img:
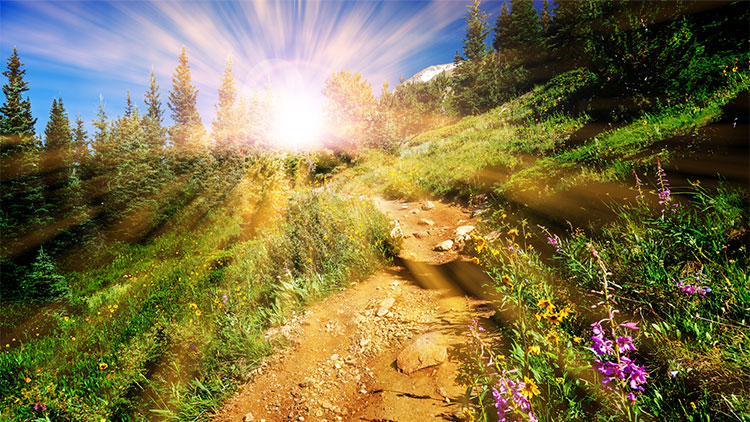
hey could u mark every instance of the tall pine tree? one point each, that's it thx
(187, 133)
(56, 158)
(226, 125)
(475, 44)
(502, 29)
(152, 121)
(15, 113)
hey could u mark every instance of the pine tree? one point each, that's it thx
(226, 124)
(21, 190)
(524, 27)
(476, 32)
(182, 102)
(56, 164)
(545, 19)
(502, 29)
(80, 148)
(152, 100)
(128, 105)
(15, 113)
(152, 121)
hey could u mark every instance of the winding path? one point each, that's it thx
(341, 361)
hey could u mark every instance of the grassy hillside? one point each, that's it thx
(168, 328)
(589, 245)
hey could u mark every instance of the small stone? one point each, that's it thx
(428, 205)
(414, 211)
(426, 222)
(444, 246)
(419, 235)
(404, 207)
(248, 418)
(385, 306)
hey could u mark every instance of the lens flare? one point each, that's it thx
(297, 121)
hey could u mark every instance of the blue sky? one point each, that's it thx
(81, 50)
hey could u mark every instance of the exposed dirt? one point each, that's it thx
(341, 361)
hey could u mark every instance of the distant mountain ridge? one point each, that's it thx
(425, 75)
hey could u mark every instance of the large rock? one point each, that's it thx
(428, 205)
(462, 233)
(444, 246)
(396, 232)
(424, 351)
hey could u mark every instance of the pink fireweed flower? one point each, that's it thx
(625, 344)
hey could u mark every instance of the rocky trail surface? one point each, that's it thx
(387, 349)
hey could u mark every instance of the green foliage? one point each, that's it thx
(477, 29)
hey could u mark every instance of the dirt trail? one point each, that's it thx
(341, 362)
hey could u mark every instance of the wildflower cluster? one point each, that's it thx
(552, 239)
(693, 289)
(622, 369)
(619, 371)
(511, 396)
(549, 314)
(664, 193)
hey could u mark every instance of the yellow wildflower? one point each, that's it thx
(513, 232)
(577, 340)
(552, 337)
(507, 281)
(193, 306)
(533, 350)
(530, 389)
(103, 366)
(198, 312)
(546, 304)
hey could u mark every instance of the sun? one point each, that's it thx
(297, 121)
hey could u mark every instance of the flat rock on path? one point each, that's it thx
(424, 351)
(342, 361)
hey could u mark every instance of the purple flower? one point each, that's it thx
(693, 289)
(631, 396)
(638, 377)
(597, 328)
(601, 345)
(625, 344)
(501, 404)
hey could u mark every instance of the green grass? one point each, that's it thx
(169, 328)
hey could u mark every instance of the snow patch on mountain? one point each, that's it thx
(426, 75)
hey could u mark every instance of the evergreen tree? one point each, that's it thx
(502, 29)
(545, 19)
(56, 164)
(476, 32)
(128, 105)
(226, 124)
(15, 113)
(182, 102)
(21, 190)
(152, 121)
(523, 25)
(152, 100)
(81, 150)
